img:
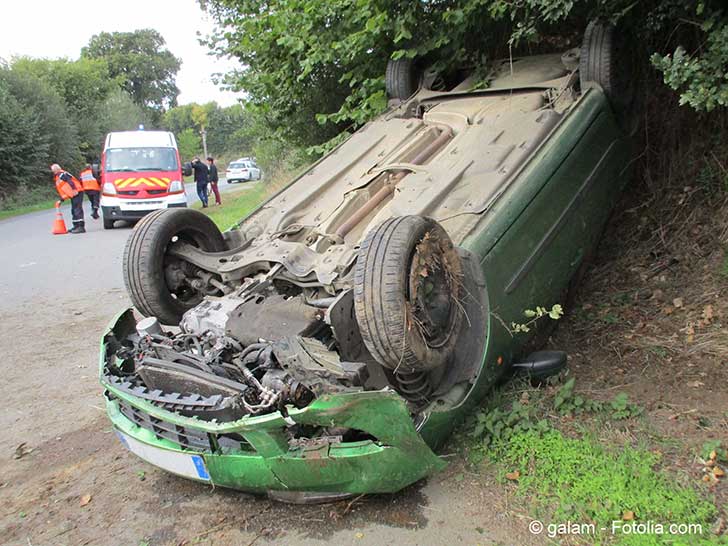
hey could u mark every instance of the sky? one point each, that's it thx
(53, 29)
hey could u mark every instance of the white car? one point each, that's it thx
(242, 170)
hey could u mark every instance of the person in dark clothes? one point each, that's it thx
(201, 173)
(69, 187)
(213, 178)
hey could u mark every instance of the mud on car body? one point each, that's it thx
(328, 343)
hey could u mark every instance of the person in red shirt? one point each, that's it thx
(68, 187)
(212, 177)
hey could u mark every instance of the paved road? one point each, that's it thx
(36, 263)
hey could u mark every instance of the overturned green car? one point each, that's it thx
(328, 344)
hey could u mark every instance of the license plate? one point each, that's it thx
(136, 205)
(182, 464)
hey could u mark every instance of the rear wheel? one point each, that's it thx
(108, 223)
(407, 282)
(605, 59)
(401, 79)
(160, 284)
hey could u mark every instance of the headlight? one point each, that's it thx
(109, 188)
(175, 186)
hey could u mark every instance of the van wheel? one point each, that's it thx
(108, 223)
(159, 284)
(407, 284)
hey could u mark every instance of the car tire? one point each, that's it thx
(401, 79)
(605, 59)
(145, 261)
(108, 222)
(398, 325)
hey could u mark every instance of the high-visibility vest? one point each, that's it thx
(67, 189)
(88, 180)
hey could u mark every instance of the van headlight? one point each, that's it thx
(175, 187)
(109, 188)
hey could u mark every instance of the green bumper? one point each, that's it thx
(266, 462)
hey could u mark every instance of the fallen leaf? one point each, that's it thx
(628, 515)
(513, 475)
(677, 302)
(718, 472)
(669, 310)
(706, 478)
(695, 384)
(713, 455)
(85, 499)
(359, 535)
(708, 313)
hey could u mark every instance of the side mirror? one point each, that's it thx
(96, 170)
(186, 168)
(541, 364)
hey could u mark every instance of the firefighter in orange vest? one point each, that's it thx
(92, 190)
(69, 187)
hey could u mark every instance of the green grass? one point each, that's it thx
(574, 476)
(24, 209)
(581, 480)
(235, 205)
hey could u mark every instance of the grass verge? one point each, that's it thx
(238, 204)
(573, 461)
(25, 209)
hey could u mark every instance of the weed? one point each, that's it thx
(555, 313)
(581, 480)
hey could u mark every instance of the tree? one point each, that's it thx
(120, 113)
(188, 142)
(303, 60)
(44, 104)
(84, 85)
(24, 145)
(145, 68)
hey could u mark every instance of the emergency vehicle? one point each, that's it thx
(140, 172)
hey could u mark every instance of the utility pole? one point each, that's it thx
(204, 141)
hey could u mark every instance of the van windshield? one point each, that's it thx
(141, 159)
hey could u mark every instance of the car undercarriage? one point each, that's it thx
(351, 310)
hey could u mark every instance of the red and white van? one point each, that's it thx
(140, 172)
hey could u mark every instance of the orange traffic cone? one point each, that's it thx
(59, 226)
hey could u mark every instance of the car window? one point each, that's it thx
(236, 166)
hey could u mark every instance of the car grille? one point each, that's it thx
(127, 192)
(184, 437)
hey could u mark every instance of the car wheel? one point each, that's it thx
(158, 283)
(407, 283)
(401, 79)
(108, 222)
(605, 59)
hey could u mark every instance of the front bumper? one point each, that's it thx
(255, 453)
(117, 213)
